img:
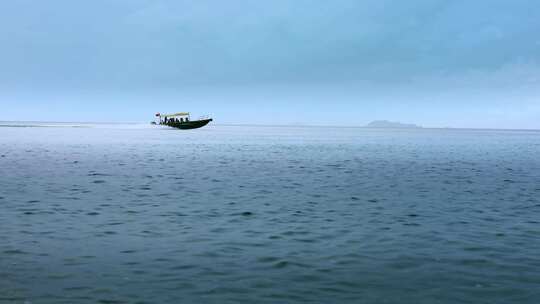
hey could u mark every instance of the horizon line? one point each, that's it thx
(287, 125)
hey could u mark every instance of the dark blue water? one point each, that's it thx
(133, 214)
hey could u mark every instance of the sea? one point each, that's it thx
(134, 213)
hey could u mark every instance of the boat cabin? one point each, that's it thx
(168, 119)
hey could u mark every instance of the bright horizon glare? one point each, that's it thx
(433, 63)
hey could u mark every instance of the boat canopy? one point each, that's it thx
(175, 114)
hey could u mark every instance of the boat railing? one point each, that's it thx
(203, 117)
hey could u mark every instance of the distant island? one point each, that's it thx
(391, 124)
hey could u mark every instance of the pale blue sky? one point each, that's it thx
(436, 63)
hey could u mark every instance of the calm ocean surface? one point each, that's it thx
(230, 214)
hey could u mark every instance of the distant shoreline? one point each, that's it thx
(376, 128)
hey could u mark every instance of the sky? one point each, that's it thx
(437, 63)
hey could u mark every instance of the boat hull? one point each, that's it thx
(193, 124)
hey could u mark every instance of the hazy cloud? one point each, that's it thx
(431, 45)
